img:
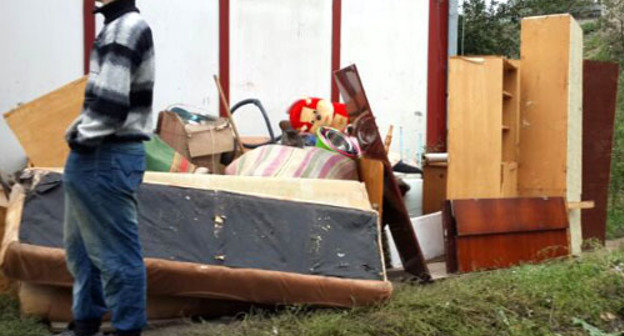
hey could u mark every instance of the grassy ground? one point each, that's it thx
(615, 223)
(547, 299)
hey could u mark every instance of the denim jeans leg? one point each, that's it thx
(88, 299)
(107, 190)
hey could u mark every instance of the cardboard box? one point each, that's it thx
(202, 144)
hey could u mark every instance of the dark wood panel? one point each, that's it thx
(450, 236)
(599, 97)
(504, 250)
(365, 130)
(505, 215)
(503, 232)
(434, 188)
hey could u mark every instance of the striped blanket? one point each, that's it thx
(286, 161)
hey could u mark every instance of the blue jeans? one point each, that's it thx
(101, 234)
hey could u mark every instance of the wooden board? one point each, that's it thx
(506, 215)
(41, 124)
(371, 173)
(475, 119)
(551, 84)
(600, 82)
(434, 188)
(367, 133)
(491, 252)
(341, 193)
(494, 233)
(509, 184)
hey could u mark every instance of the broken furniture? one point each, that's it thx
(241, 239)
(515, 130)
(600, 80)
(367, 134)
(494, 233)
(40, 125)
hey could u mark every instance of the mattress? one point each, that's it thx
(241, 239)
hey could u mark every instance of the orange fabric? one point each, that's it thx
(46, 266)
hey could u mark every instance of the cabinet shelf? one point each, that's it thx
(508, 66)
(507, 95)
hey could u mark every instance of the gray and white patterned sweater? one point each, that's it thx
(119, 92)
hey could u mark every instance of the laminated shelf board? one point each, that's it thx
(551, 108)
(483, 132)
(600, 81)
(494, 233)
(40, 125)
(304, 261)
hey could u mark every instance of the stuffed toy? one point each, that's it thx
(308, 114)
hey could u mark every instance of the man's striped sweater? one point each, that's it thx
(118, 97)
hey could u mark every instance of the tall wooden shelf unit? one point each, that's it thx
(484, 127)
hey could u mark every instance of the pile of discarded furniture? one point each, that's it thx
(227, 222)
(529, 147)
(268, 224)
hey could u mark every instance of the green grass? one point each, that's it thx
(615, 221)
(12, 325)
(554, 298)
(540, 300)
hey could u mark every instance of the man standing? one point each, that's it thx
(103, 172)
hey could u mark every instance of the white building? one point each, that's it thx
(279, 51)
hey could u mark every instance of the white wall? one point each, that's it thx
(280, 51)
(387, 40)
(42, 50)
(186, 42)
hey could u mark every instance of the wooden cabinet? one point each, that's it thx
(484, 127)
(552, 117)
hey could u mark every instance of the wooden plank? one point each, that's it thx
(505, 215)
(372, 174)
(494, 233)
(41, 124)
(490, 252)
(550, 151)
(434, 187)
(600, 82)
(509, 184)
(581, 205)
(395, 211)
(475, 119)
